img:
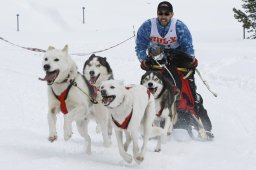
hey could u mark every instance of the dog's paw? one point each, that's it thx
(52, 138)
(67, 136)
(127, 158)
(139, 158)
(157, 150)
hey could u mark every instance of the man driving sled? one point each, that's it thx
(168, 42)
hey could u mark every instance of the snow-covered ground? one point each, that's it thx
(225, 60)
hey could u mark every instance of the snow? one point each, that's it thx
(225, 60)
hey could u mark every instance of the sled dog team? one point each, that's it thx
(147, 110)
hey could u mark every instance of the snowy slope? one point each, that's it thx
(225, 60)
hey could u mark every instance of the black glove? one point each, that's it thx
(151, 65)
(194, 64)
(145, 65)
(180, 59)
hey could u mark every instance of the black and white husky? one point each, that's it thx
(96, 69)
(165, 98)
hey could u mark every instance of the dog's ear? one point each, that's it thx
(65, 49)
(93, 55)
(50, 48)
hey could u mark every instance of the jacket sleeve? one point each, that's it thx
(143, 41)
(184, 38)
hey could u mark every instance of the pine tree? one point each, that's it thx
(248, 17)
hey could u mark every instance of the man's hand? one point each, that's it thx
(158, 57)
(155, 50)
(194, 63)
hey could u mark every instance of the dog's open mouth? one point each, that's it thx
(93, 79)
(50, 76)
(106, 100)
(152, 90)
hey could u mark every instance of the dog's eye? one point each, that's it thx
(89, 65)
(98, 65)
(156, 79)
(112, 87)
(102, 87)
(46, 59)
(56, 59)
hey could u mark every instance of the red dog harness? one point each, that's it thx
(125, 123)
(127, 120)
(62, 97)
(187, 99)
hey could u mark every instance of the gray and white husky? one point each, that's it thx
(165, 99)
(97, 69)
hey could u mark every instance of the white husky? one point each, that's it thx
(131, 108)
(61, 71)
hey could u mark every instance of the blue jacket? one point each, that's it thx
(184, 38)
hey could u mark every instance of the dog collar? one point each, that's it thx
(65, 80)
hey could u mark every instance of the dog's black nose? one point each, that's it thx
(91, 73)
(103, 92)
(150, 84)
(46, 67)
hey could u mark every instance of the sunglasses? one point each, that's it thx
(164, 13)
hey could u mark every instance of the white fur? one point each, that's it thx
(77, 103)
(142, 106)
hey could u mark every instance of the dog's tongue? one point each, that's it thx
(104, 100)
(48, 77)
(152, 90)
(93, 80)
